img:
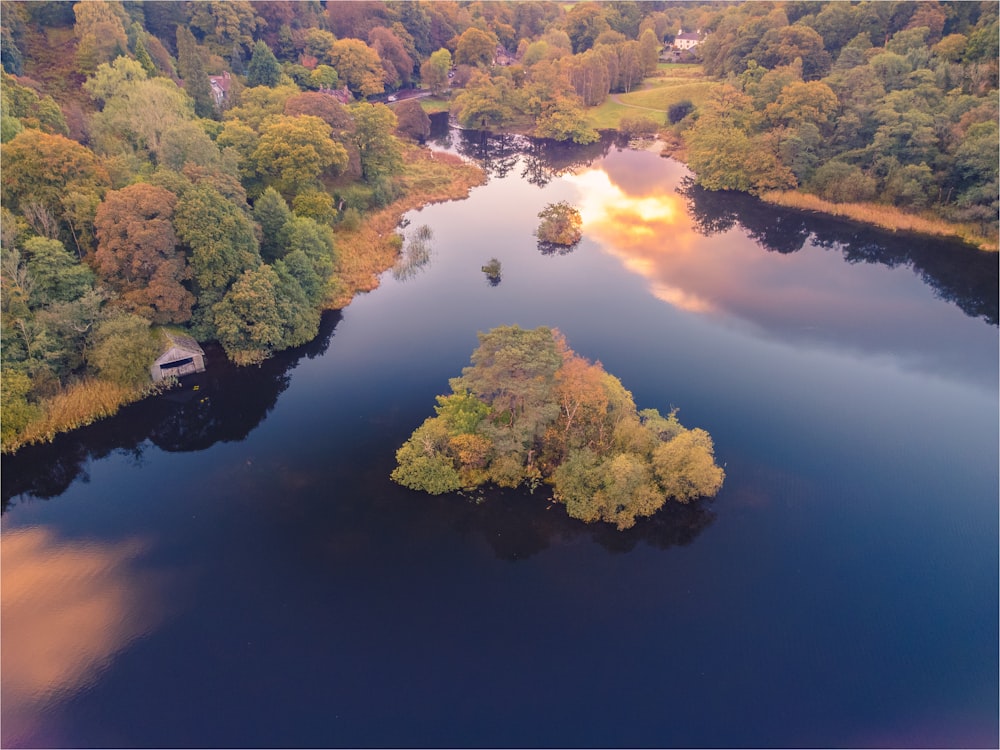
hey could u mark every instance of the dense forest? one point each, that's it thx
(211, 167)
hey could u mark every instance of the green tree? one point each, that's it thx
(264, 312)
(272, 213)
(434, 72)
(143, 58)
(122, 350)
(381, 155)
(225, 25)
(314, 240)
(57, 276)
(223, 245)
(584, 23)
(192, 70)
(263, 69)
(485, 103)
(15, 410)
(293, 151)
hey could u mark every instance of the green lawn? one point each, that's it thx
(432, 104)
(672, 83)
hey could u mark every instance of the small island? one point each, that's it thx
(529, 410)
(559, 229)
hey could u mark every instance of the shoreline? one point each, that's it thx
(429, 177)
(879, 215)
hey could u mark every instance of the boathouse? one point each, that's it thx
(180, 355)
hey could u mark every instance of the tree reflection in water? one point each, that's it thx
(223, 404)
(958, 273)
(517, 525)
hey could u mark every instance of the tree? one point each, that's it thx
(137, 111)
(379, 149)
(225, 25)
(263, 69)
(685, 466)
(359, 66)
(314, 240)
(294, 151)
(726, 158)
(396, 62)
(265, 312)
(434, 72)
(56, 275)
(588, 73)
(584, 23)
(272, 213)
(328, 109)
(475, 47)
(223, 245)
(782, 46)
(485, 102)
(122, 350)
(100, 32)
(560, 225)
(137, 253)
(649, 51)
(412, 121)
(143, 58)
(191, 69)
(42, 167)
(529, 409)
(565, 120)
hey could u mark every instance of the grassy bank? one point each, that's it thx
(78, 405)
(886, 217)
(369, 250)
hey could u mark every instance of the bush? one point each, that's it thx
(351, 219)
(680, 110)
(838, 182)
(638, 126)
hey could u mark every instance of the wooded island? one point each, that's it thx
(530, 410)
(231, 169)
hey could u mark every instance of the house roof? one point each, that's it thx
(690, 35)
(173, 340)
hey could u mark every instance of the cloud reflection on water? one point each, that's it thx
(786, 277)
(68, 609)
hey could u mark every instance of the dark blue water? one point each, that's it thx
(229, 565)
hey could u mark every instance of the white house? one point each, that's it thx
(685, 40)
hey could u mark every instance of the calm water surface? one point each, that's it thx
(229, 565)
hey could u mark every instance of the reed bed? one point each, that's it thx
(887, 217)
(78, 405)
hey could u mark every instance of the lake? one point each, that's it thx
(230, 565)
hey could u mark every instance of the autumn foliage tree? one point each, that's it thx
(560, 225)
(137, 253)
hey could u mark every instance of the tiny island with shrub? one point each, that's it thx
(529, 410)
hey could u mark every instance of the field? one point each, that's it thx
(671, 83)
